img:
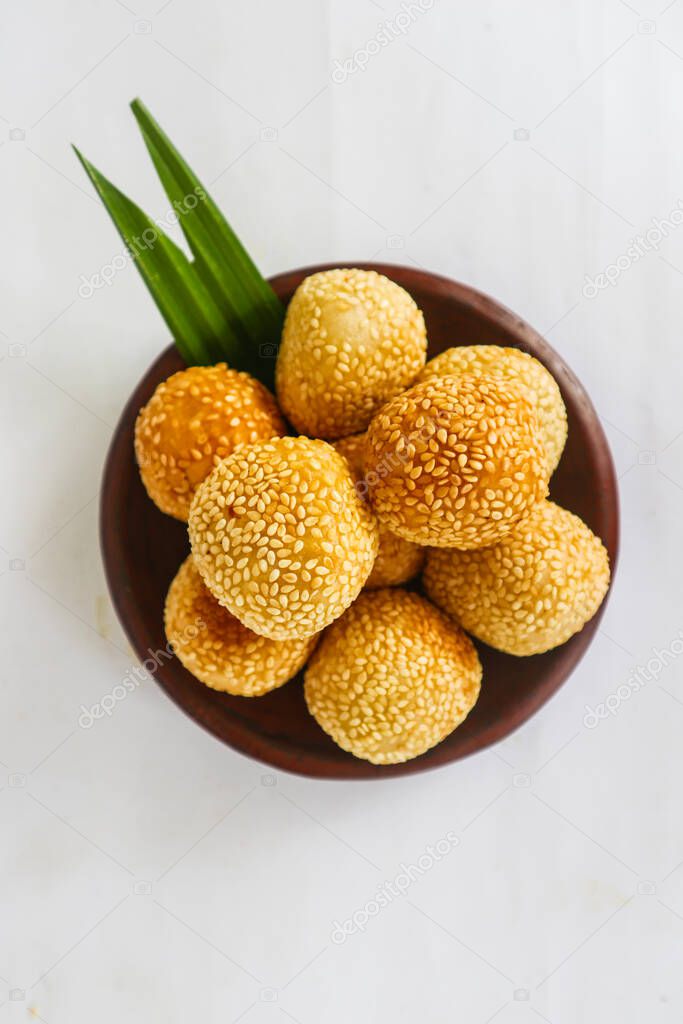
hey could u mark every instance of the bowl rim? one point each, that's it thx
(490, 309)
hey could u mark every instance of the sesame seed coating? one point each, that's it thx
(398, 560)
(281, 537)
(192, 421)
(218, 650)
(530, 592)
(520, 368)
(455, 461)
(352, 339)
(392, 678)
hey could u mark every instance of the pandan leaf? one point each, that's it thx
(222, 261)
(200, 327)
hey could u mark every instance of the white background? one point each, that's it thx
(563, 900)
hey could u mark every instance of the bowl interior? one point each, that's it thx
(142, 550)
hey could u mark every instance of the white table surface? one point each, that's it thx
(150, 874)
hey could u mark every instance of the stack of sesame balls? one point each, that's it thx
(308, 515)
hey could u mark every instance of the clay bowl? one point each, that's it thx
(142, 549)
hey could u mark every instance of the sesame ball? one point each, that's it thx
(217, 649)
(455, 461)
(522, 369)
(398, 560)
(392, 678)
(281, 537)
(530, 592)
(192, 421)
(352, 339)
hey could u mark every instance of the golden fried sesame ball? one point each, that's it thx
(455, 461)
(530, 592)
(217, 649)
(398, 560)
(192, 421)
(352, 339)
(520, 368)
(392, 677)
(281, 538)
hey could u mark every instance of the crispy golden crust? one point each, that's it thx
(218, 650)
(392, 678)
(352, 339)
(455, 461)
(520, 368)
(398, 560)
(532, 590)
(281, 537)
(195, 418)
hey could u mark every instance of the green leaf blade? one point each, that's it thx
(207, 259)
(226, 267)
(199, 326)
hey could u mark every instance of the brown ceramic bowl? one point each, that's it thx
(142, 549)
